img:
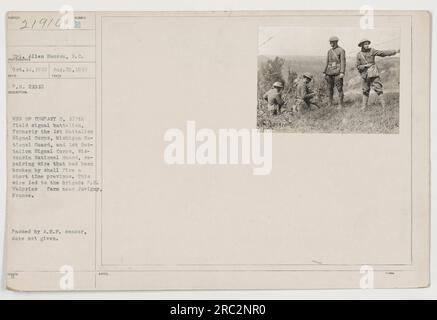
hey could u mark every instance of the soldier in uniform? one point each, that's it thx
(334, 70)
(369, 71)
(304, 93)
(274, 98)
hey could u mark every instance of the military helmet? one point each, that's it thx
(308, 75)
(364, 40)
(277, 84)
(333, 38)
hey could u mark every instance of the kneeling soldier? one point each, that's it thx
(369, 71)
(304, 93)
(274, 98)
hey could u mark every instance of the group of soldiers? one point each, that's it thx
(334, 74)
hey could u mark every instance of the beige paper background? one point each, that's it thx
(332, 203)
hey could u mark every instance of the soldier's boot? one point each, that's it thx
(382, 101)
(365, 102)
(331, 101)
(341, 103)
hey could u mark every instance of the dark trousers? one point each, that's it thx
(335, 81)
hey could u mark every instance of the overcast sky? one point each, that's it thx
(314, 41)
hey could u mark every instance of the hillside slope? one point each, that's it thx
(388, 66)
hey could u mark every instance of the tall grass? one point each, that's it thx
(350, 119)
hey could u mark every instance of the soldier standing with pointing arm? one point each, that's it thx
(369, 71)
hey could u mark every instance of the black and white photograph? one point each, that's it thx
(203, 153)
(328, 80)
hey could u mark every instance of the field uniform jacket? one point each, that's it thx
(273, 98)
(335, 61)
(365, 57)
(303, 91)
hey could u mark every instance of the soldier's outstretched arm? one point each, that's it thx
(385, 53)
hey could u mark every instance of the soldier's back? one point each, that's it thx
(301, 89)
(272, 96)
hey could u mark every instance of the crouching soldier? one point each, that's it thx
(304, 93)
(369, 71)
(274, 98)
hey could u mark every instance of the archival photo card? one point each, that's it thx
(217, 150)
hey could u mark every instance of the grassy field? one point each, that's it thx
(350, 119)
